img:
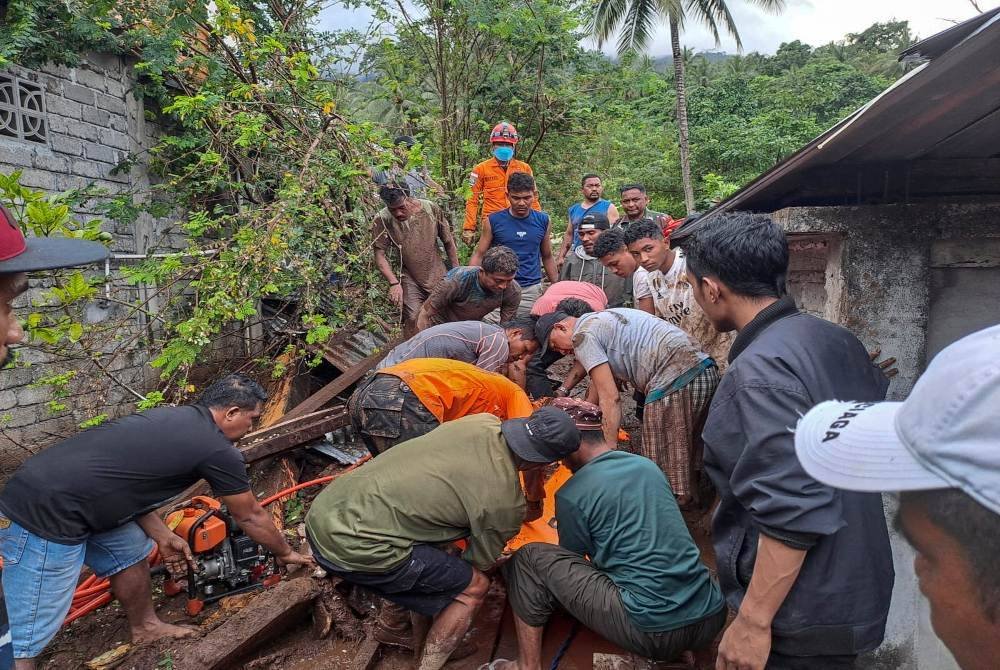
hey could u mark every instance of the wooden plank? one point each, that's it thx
(367, 652)
(268, 615)
(291, 433)
(341, 383)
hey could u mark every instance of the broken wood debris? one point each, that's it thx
(266, 616)
(343, 382)
(291, 433)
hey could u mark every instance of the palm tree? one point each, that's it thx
(636, 18)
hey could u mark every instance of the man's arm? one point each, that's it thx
(646, 305)
(567, 241)
(489, 534)
(613, 213)
(576, 373)
(385, 267)
(472, 204)
(791, 509)
(436, 304)
(548, 262)
(256, 523)
(510, 300)
(747, 641)
(610, 401)
(573, 532)
(174, 551)
(485, 240)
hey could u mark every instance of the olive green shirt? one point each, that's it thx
(458, 481)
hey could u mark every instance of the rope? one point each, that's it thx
(564, 647)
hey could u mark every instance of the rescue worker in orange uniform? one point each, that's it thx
(489, 180)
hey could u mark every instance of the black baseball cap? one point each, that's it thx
(543, 328)
(18, 254)
(596, 221)
(546, 436)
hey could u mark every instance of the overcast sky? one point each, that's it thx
(814, 22)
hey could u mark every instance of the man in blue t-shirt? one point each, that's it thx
(593, 203)
(644, 586)
(526, 231)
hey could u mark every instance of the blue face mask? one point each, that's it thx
(504, 154)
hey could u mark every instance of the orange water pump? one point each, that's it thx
(227, 561)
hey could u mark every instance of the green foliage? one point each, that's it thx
(272, 180)
(33, 32)
(96, 420)
(295, 510)
(152, 399)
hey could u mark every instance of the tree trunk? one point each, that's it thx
(682, 114)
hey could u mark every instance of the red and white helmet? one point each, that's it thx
(504, 132)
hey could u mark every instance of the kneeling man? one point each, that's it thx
(381, 525)
(644, 586)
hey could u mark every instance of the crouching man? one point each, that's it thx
(91, 499)
(660, 361)
(644, 587)
(379, 526)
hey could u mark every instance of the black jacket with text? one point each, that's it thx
(782, 364)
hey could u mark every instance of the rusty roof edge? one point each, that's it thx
(947, 39)
(804, 154)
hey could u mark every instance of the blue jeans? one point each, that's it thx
(39, 577)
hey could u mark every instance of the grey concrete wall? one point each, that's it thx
(94, 123)
(885, 262)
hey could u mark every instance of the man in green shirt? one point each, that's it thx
(377, 526)
(644, 586)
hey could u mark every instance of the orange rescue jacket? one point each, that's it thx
(489, 181)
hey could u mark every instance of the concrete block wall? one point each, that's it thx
(884, 263)
(94, 122)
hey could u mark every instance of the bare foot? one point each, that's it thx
(159, 630)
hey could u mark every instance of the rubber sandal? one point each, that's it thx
(493, 664)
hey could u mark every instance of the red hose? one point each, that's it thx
(93, 592)
(314, 482)
(89, 607)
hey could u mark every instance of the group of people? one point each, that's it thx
(778, 414)
(699, 325)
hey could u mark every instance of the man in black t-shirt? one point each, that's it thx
(92, 499)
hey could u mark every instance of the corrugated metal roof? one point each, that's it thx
(935, 133)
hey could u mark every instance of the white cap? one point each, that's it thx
(945, 435)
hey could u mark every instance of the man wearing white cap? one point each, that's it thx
(941, 448)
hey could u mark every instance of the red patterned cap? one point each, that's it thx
(586, 415)
(42, 253)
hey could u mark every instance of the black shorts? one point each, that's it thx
(426, 583)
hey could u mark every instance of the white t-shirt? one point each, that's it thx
(673, 300)
(640, 284)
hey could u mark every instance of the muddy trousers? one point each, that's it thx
(543, 577)
(671, 434)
